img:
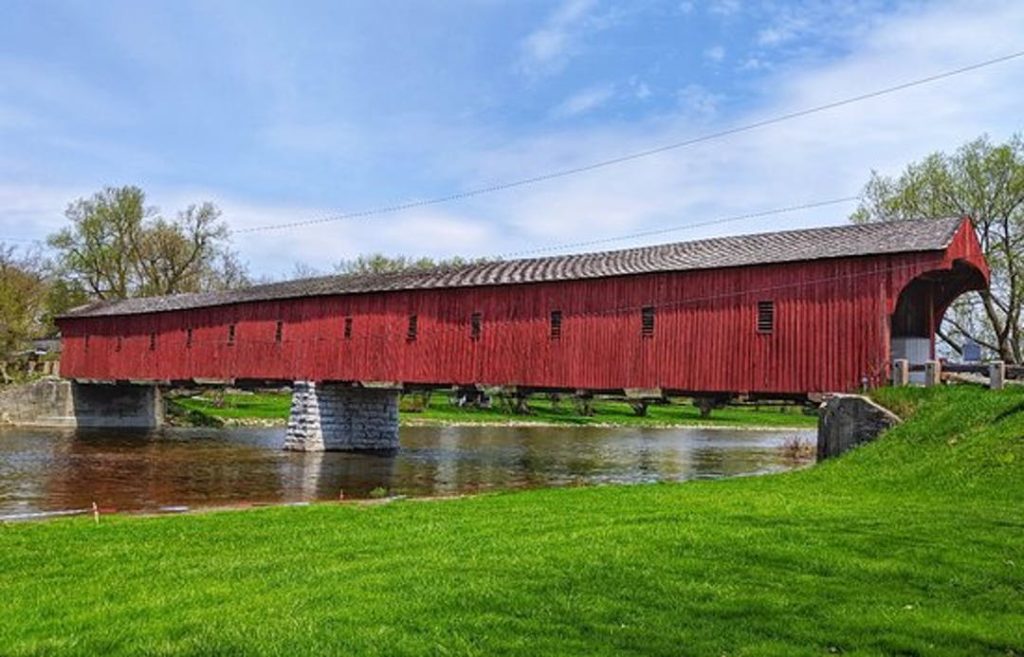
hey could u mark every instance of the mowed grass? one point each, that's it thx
(912, 545)
(542, 410)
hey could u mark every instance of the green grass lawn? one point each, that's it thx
(440, 411)
(912, 545)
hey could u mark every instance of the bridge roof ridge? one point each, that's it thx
(850, 240)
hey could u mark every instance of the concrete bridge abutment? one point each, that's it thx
(71, 404)
(339, 417)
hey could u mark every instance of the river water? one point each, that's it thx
(174, 469)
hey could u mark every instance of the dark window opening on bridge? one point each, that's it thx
(410, 333)
(279, 331)
(475, 326)
(231, 334)
(765, 316)
(647, 321)
(188, 338)
(117, 345)
(152, 341)
(556, 324)
(347, 333)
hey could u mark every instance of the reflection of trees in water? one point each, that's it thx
(131, 470)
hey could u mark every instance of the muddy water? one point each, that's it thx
(52, 471)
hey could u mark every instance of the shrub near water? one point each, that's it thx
(912, 545)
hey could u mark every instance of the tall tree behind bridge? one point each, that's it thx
(378, 263)
(986, 182)
(116, 247)
(23, 294)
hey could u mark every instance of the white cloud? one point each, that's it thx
(715, 54)
(325, 137)
(696, 101)
(583, 101)
(754, 64)
(815, 157)
(550, 46)
(773, 36)
(33, 211)
(724, 7)
(426, 231)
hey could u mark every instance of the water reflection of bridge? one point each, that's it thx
(241, 466)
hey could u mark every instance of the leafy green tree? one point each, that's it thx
(378, 263)
(116, 247)
(23, 288)
(61, 296)
(984, 181)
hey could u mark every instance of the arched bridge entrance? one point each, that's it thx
(921, 306)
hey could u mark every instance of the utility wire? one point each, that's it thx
(562, 173)
(631, 236)
(674, 229)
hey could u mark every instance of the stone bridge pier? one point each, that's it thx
(341, 417)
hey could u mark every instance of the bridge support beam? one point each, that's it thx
(336, 417)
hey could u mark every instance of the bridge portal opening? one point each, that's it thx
(921, 307)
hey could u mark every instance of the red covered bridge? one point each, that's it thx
(779, 314)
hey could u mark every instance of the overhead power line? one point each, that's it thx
(675, 229)
(562, 173)
(638, 235)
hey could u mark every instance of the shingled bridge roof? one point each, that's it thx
(715, 253)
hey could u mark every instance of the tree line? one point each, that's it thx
(115, 246)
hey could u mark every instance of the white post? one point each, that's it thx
(900, 372)
(932, 373)
(997, 375)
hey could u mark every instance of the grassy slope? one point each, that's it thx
(913, 545)
(440, 411)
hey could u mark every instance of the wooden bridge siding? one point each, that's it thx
(830, 331)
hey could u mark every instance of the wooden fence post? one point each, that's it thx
(996, 375)
(932, 373)
(900, 372)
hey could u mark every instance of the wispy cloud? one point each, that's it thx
(698, 102)
(820, 156)
(583, 101)
(814, 157)
(34, 210)
(549, 47)
(724, 7)
(715, 54)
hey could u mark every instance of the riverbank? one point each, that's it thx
(272, 410)
(911, 545)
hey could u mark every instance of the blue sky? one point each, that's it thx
(289, 111)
